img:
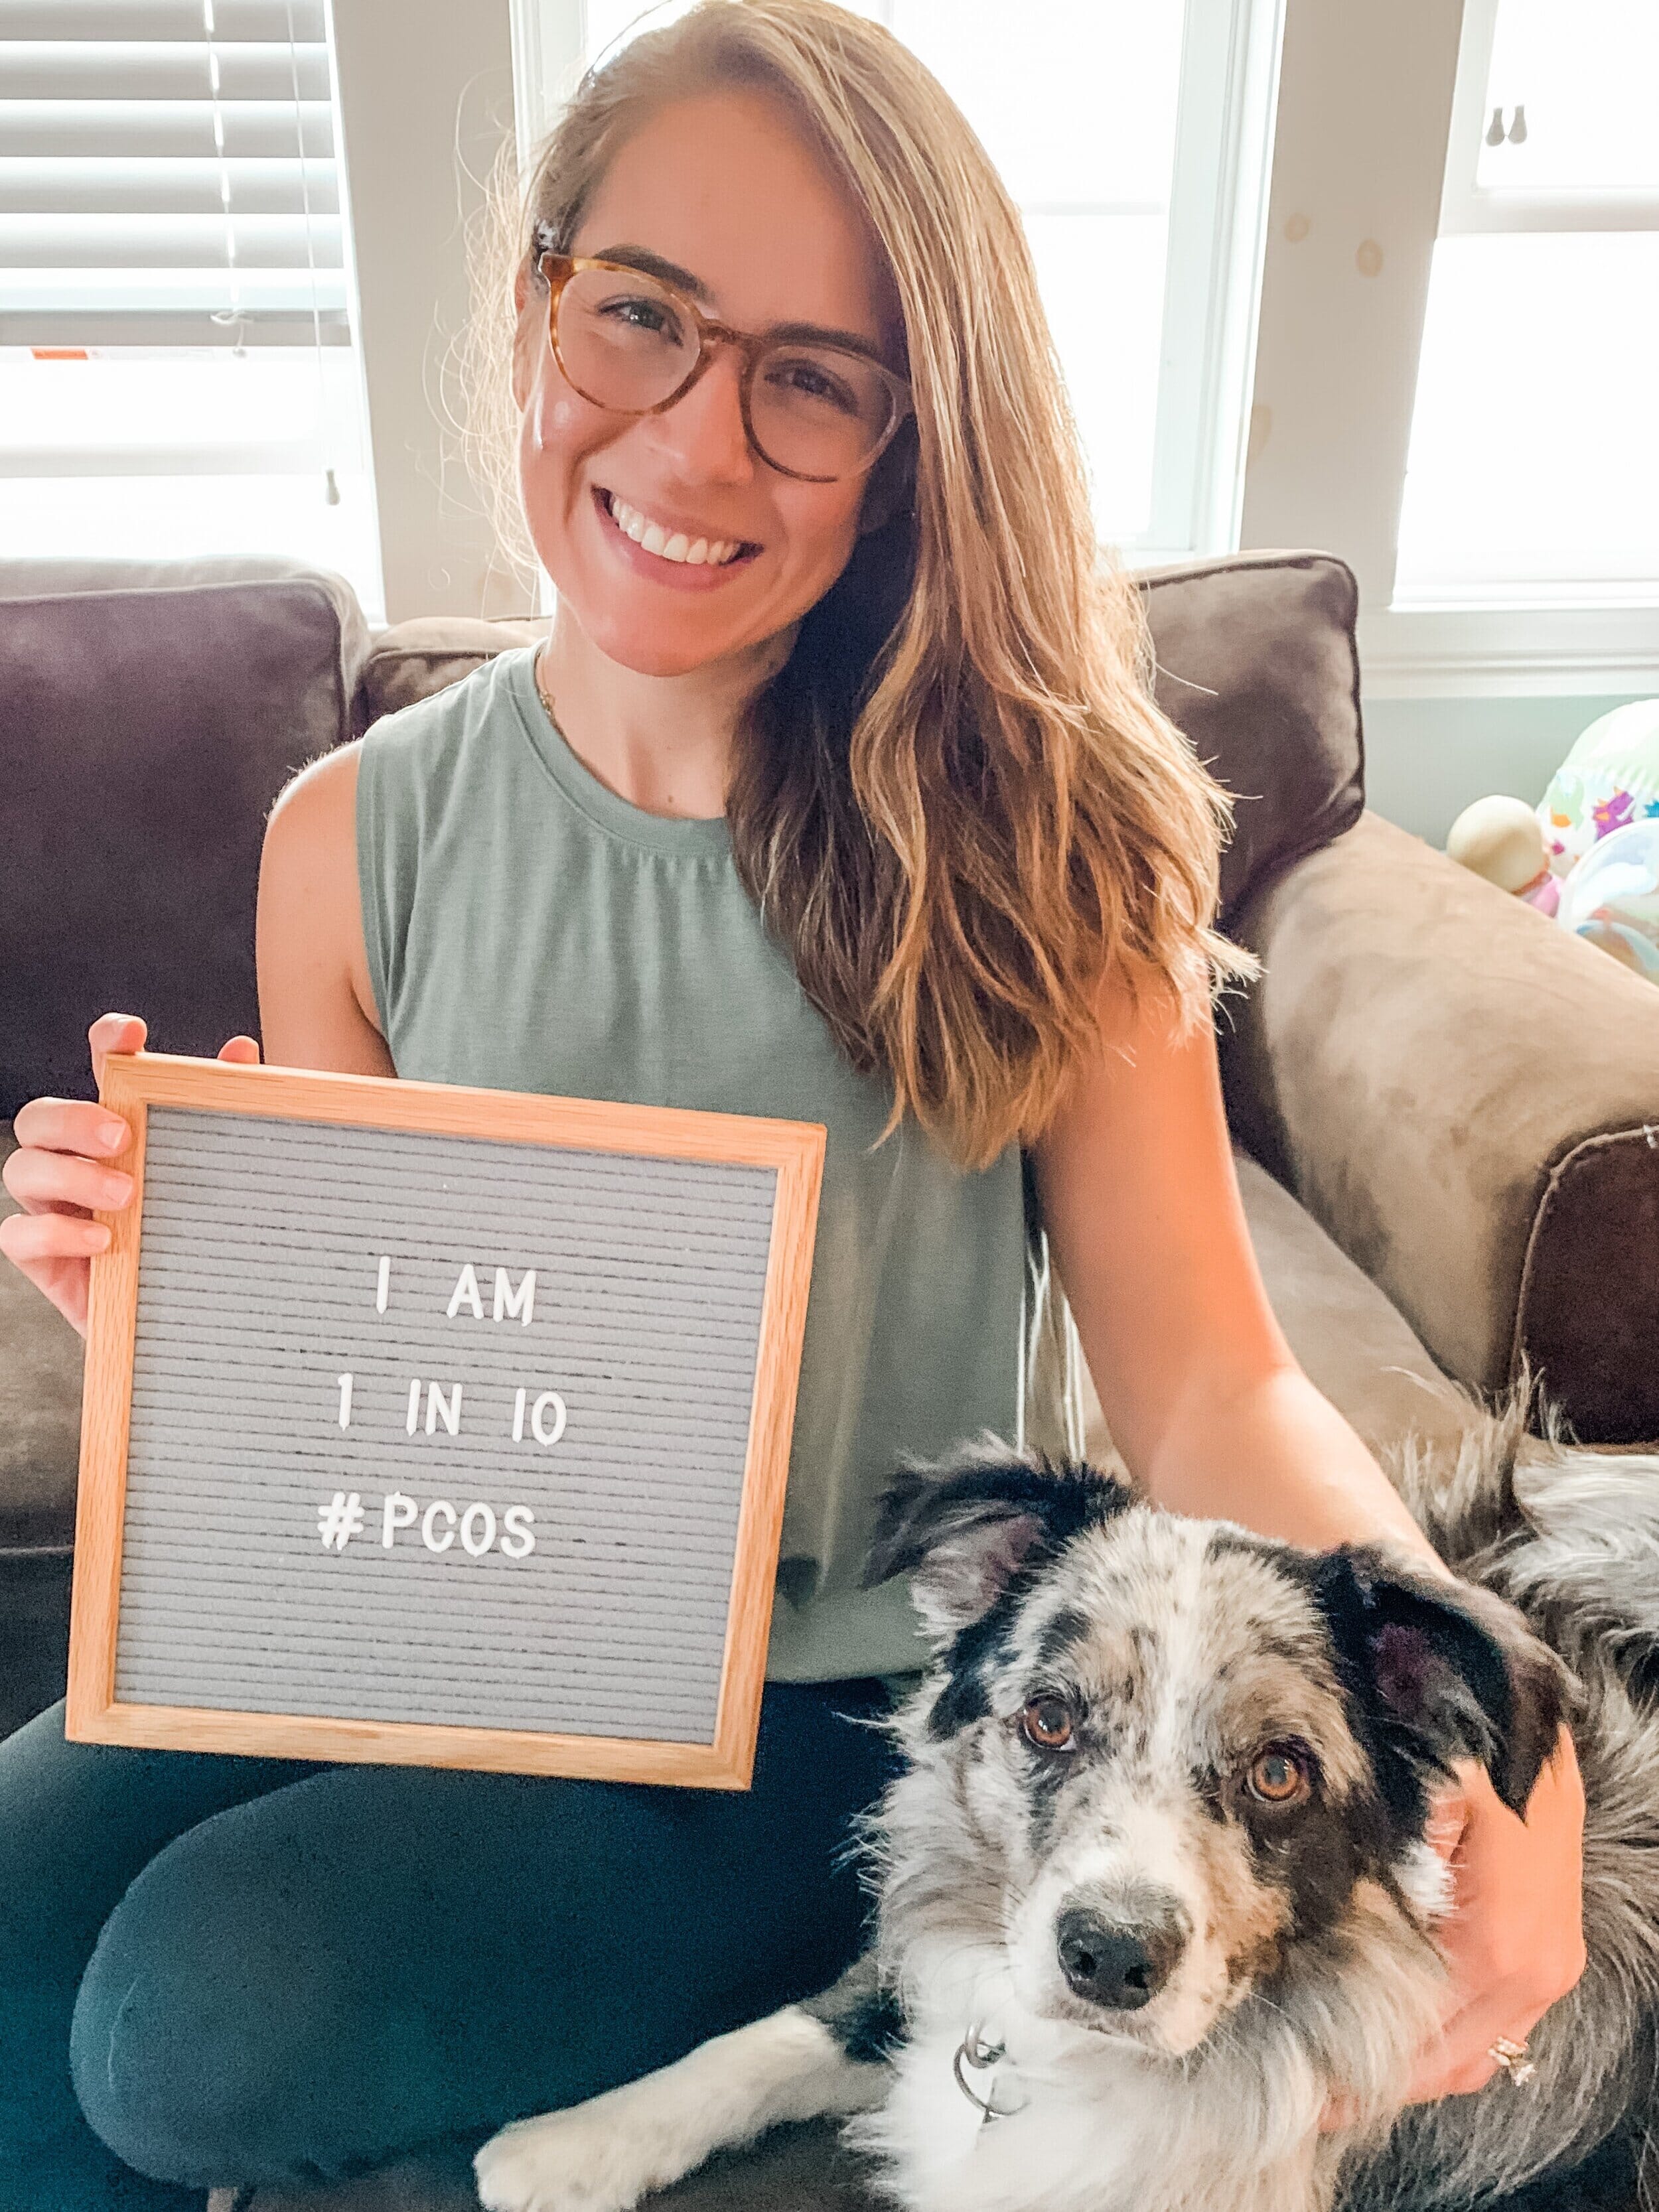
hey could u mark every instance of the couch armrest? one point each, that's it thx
(1466, 1100)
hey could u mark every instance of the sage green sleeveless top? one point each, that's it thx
(529, 930)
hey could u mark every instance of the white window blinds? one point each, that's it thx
(178, 370)
(167, 174)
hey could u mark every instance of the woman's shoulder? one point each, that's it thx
(311, 833)
(315, 811)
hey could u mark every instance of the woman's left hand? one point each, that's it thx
(1514, 1938)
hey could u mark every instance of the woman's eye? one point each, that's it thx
(809, 381)
(1278, 1776)
(637, 313)
(1048, 1724)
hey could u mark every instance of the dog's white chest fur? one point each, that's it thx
(1073, 2139)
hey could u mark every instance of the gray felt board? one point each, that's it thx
(258, 1279)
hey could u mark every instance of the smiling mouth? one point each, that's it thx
(673, 546)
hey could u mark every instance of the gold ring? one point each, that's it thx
(1512, 2057)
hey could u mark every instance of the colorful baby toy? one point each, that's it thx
(1588, 853)
(1608, 779)
(1612, 896)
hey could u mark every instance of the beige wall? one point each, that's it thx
(426, 75)
(1364, 105)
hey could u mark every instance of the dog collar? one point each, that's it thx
(975, 2055)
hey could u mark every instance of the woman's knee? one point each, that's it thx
(194, 2044)
(77, 1822)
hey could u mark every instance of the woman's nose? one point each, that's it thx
(703, 429)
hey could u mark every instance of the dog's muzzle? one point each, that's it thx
(1119, 1965)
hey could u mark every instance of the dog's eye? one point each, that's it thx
(1047, 1722)
(1278, 1776)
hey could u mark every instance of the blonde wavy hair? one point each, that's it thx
(958, 805)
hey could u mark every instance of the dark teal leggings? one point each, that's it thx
(218, 1970)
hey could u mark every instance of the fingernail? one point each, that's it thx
(113, 1135)
(118, 1188)
(97, 1235)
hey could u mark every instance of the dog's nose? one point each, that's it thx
(1122, 1968)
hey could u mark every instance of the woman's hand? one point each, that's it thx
(65, 1165)
(1514, 1938)
(1515, 1941)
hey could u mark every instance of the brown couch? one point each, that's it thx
(1448, 1112)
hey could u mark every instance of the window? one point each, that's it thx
(177, 370)
(1134, 136)
(1532, 471)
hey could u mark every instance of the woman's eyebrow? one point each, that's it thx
(670, 272)
(653, 264)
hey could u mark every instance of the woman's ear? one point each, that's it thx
(526, 333)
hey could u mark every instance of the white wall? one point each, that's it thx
(1365, 103)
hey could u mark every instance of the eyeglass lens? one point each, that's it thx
(625, 342)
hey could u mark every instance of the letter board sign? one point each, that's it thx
(434, 1424)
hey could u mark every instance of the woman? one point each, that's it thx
(836, 792)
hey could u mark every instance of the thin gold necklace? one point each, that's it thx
(536, 677)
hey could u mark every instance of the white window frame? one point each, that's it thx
(1465, 208)
(1217, 221)
(1380, 113)
(1218, 213)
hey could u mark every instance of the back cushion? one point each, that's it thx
(143, 737)
(1257, 662)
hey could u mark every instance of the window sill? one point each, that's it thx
(1513, 652)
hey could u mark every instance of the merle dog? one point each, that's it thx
(1153, 1881)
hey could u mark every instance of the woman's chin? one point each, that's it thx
(660, 645)
(658, 656)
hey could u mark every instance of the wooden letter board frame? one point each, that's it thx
(135, 1082)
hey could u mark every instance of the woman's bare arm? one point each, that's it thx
(1203, 1396)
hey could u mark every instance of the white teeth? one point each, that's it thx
(695, 552)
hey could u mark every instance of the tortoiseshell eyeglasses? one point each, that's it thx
(631, 343)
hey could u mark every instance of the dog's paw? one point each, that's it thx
(579, 2160)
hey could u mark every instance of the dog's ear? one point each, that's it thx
(963, 1531)
(1443, 1670)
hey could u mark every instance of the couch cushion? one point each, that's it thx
(795, 2169)
(1588, 1319)
(1467, 1098)
(53, 576)
(429, 653)
(146, 733)
(1256, 662)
